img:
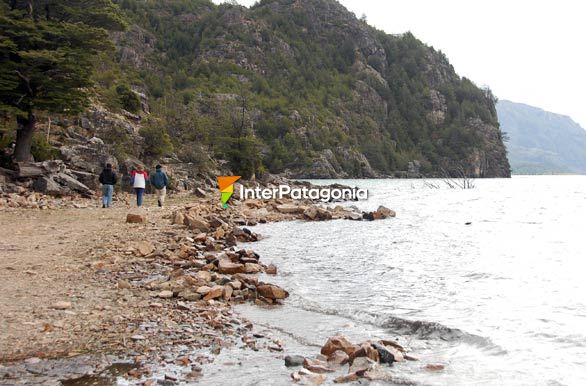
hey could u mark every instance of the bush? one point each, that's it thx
(156, 142)
(128, 99)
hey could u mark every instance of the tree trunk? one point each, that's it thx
(24, 137)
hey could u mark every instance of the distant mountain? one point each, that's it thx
(541, 142)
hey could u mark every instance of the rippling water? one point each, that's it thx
(501, 300)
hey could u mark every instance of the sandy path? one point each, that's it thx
(44, 259)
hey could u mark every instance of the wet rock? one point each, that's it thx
(394, 344)
(347, 378)
(409, 357)
(308, 376)
(361, 364)
(435, 366)
(61, 305)
(365, 350)
(385, 355)
(135, 218)
(271, 269)
(335, 343)
(316, 366)
(338, 357)
(271, 291)
(294, 360)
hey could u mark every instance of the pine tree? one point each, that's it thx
(46, 52)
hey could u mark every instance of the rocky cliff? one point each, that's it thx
(297, 87)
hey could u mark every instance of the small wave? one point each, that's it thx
(421, 329)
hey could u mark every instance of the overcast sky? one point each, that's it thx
(525, 51)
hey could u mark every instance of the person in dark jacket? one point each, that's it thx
(108, 179)
(160, 181)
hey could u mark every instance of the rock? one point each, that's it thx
(252, 268)
(294, 360)
(145, 247)
(271, 269)
(47, 185)
(385, 355)
(190, 295)
(410, 357)
(214, 293)
(394, 344)
(196, 223)
(199, 192)
(61, 305)
(435, 366)
(316, 366)
(178, 218)
(347, 378)
(137, 337)
(123, 284)
(165, 294)
(226, 266)
(311, 377)
(365, 350)
(361, 364)
(204, 275)
(271, 291)
(290, 209)
(203, 290)
(384, 212)
(135, 218)
(338, 342)
(310, 213)
(338, 357)
(228, 290)
(235, 284)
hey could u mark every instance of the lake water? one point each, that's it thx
(490, 281)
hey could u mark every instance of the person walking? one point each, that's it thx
(138, 178)
(160, 181)
(108, 179)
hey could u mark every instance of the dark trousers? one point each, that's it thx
(139, 194)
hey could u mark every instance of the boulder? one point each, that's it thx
(135, 218)
(48, 186)
(338, 357)
(198, 223)
(145, 247)
(226, 266)
(316, 366)
(294, 360)
(214, 293)
(252, 268)
(290, 209)
(338, 342)
(178, 218)
(361, 365)
(271, 291)
(385, 355)
(384, 212)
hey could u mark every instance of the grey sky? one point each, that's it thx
(526, 51)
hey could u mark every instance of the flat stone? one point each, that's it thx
(61, 305)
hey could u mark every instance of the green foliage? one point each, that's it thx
(46, 55)
(128, 99)
(156, 141)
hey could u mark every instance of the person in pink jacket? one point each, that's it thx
(138, 178)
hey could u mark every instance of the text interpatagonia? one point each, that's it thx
(324, 194)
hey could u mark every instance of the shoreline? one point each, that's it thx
(164, 276)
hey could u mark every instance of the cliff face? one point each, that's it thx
(303, 87)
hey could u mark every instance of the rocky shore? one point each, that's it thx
(169, 278)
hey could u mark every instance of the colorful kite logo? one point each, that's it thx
(226, 184)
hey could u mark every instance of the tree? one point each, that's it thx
(46, 53)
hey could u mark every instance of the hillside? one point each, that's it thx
(541, 142)
(301, 88)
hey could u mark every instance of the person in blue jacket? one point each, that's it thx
(159, 180)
